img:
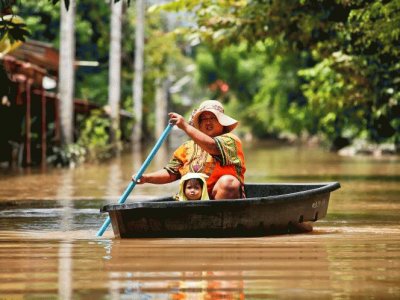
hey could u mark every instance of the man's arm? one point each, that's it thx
(158, 177)
(203, 140)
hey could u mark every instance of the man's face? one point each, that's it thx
(208, 124)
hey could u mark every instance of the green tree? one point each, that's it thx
(163, 52)
(350, 75)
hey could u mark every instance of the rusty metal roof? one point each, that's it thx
(38, 53)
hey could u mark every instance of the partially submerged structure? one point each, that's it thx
(29, 106)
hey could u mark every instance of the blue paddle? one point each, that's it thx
(138, 175)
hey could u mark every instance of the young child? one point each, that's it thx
(193, 186)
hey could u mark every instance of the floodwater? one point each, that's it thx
(49, 248)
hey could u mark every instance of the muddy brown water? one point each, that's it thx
(49, 219)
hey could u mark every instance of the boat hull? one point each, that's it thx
(272, 209)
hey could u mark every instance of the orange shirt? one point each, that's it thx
(190, 157)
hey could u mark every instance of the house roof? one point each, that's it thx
(43, 55)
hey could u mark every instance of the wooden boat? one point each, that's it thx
(268, 209)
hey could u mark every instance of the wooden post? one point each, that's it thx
(57, 130)
(28, 122)
(44, 126)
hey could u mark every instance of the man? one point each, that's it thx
(212, 150)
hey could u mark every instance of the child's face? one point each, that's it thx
(193, 190)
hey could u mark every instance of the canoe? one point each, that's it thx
(272, 208)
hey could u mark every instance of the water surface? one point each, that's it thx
(49, 219)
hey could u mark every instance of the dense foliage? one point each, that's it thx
(331, 66)
(163, 57)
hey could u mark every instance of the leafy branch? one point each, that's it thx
(67, 2)
(14, 28)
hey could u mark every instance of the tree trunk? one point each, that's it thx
(114, 80)
(66, 73)
(161, 103)
(138, 78)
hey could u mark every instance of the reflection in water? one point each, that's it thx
(113, 191)
(48, 247)
(137, 157)
(65, 270)
(179, 272)
(214, 269)
(64, 194)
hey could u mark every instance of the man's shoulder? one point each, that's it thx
(231, 136)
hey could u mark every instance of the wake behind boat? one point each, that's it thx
(268, 209)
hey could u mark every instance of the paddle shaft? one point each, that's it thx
(139, 174)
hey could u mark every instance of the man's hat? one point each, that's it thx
(217, 109)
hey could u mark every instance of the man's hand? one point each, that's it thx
(178, 120)
(141, 180)
(202, 139)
